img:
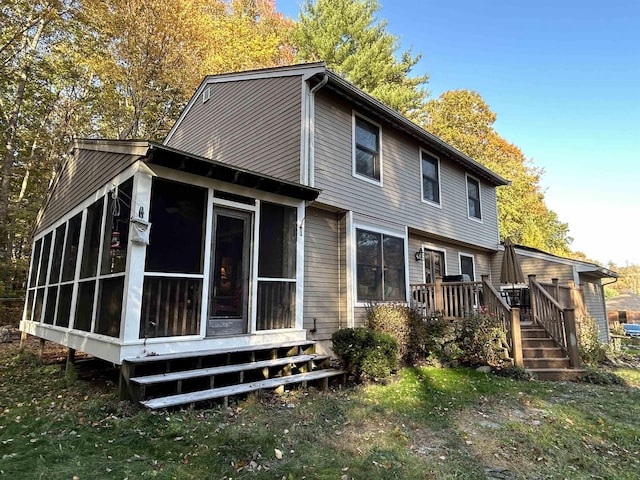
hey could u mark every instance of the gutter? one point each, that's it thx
(311, 148)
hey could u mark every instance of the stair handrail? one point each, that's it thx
(510, 317)
(558, 321)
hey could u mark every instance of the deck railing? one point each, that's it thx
(459, 300)
(559, 322)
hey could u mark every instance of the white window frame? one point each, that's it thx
(438, 204)
(355, 116)
(473, 262)
(467, 178)
(354, 260)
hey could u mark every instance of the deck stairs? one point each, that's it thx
(214, 376)
(543, 357)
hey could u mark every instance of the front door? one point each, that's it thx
(231, 262)
(433, 265)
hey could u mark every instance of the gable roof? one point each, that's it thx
(318, 74)
(624, 301)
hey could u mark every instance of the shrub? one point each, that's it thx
(404, 324)
(366, 352)
(442, 342)
(592, 352)
(482, 339)
(597, 376)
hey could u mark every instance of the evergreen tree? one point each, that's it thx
(347, 36)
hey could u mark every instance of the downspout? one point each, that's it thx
(311, 131)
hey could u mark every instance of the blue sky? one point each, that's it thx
(563, 78)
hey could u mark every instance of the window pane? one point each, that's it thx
(50, 307)
(64, 306)
(366, 134)
(84, 306)
(44, 261)
(430, 178)
(56, 261)
(366, 164)
(116, 232)
(394, 286)
(35, 263)
(369, 269)
(177, 227)
(71, 248)
(91, 243)
(110, 306)
(473, 193)
(466, 266)
(277, 254)
(276, 305)
(29, 305)
(37, 309)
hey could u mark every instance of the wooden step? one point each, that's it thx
(534, 332)
(232, 390)
(220, 351)
(538, 343)
(538, 363)
(542, 352)
(211, 371)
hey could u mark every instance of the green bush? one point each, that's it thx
(442, 342)
(404, 324)
(592, 352)
(482, 339)
(366, 352)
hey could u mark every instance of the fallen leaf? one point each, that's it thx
(278, 454)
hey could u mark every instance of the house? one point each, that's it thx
(624, 308)
(280, 204)
(574, 283)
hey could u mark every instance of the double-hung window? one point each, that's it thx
(380, 267)
(430, 167)
(473, 198)
(366, 161)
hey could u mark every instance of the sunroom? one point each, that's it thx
(146, 250)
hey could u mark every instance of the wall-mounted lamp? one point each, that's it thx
(419, 255)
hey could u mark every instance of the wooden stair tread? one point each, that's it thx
(219, 351)
(210, 394)
(219, 370)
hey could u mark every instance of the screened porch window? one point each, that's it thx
(172, 290)
(276, 267)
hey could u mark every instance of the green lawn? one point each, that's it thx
(425, 423)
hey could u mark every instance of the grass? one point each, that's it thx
(425, 423)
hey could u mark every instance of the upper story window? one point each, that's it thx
(366, 150)
(380, 267)
(430, 168)
(473, 198)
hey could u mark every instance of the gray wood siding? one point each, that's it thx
(596, 309)
(83, 174)
(324, 274)
(399, 200)
(253, 124)
(482, 260)
(544, 270)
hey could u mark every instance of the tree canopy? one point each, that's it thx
(348, 37)
(464, 120)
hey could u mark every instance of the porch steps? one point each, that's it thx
(543, 357)
(172, 380)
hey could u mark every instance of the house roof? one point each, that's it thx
(624, 302)
(158, 154)
(205, 167)
(588, 268)
(317, 73)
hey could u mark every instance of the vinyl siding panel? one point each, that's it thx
(544, 270)
(596, 309)
(482, 259)
(253, 124)
(83, 174)
(399, 200)
(324, 289)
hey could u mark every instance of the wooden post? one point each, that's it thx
(572, 336)
(516, 338)
(41, 350)
(439, 294)
(71, 357)
(532, 295)
(23, 339)
(556, 289)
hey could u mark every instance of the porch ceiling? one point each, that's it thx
(205, 167)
